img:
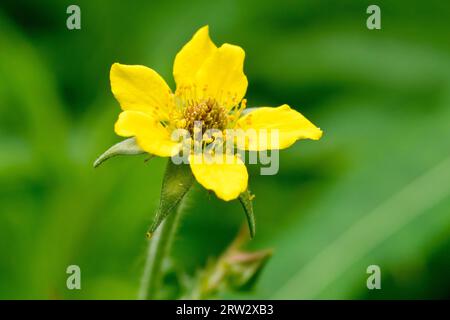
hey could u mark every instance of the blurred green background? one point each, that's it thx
(374, 190)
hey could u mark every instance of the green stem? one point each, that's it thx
(158, 249)
(176, 183)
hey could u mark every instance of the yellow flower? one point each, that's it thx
(210, 88)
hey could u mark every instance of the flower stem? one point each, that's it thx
(176, 183)
(158, 249)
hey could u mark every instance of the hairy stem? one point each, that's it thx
(158, 249)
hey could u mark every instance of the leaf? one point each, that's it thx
(125, 147)
(177, 181)
(246, 200)
(245, 268)
(235, 270)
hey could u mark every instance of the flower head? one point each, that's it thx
(210, 90)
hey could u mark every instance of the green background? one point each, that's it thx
(374, 190)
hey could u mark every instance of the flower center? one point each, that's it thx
(208, 112)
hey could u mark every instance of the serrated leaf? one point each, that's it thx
(177, 181)
(246, 200)
(125, 147)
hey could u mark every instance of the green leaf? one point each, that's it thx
(235, 270)
(176, 183)
(246, 200)
(125, 147)
(244, 268)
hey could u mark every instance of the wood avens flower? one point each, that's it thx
(210, 87)
(209, 108)
(210, 90)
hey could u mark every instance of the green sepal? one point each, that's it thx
(246, 200)
(125, 147)
(177, 181)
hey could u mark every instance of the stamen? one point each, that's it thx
(209, 112)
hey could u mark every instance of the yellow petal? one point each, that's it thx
(290, 125)
(191, 57)
(140, 88)
(222, 76)
(150, 135)
(228, 179)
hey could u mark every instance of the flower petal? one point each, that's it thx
(222, 76)
(191, 57)
(140, 88)
(291, 126)
(228, 179)
(150, 135)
